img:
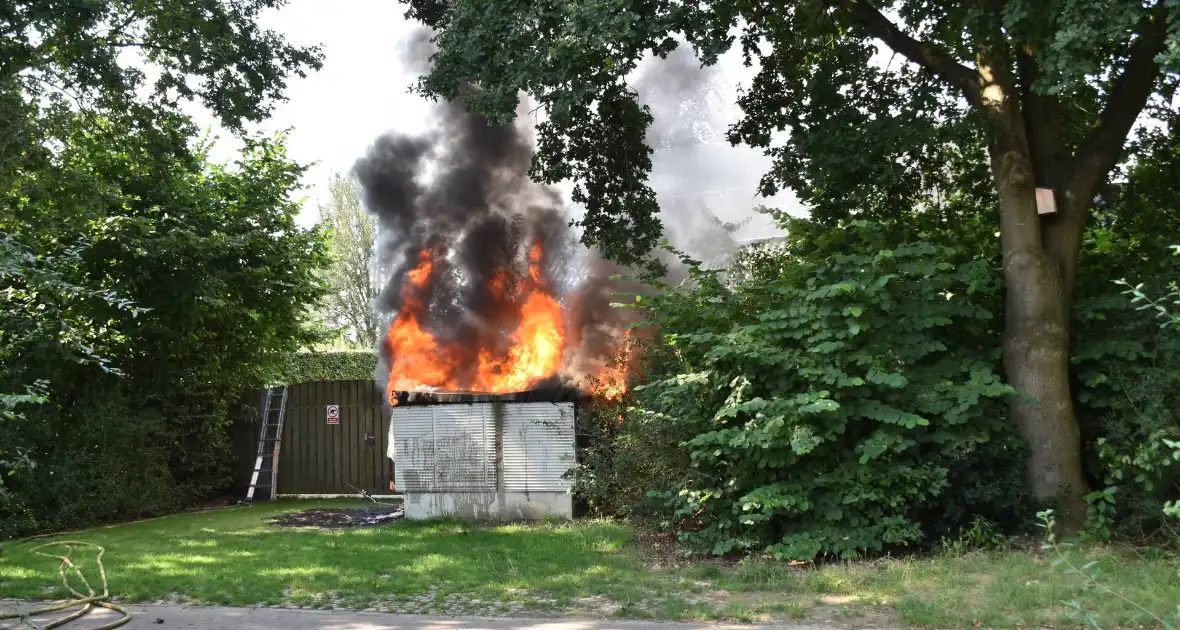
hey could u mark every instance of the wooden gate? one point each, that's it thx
(338, 458)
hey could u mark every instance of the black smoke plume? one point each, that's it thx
(463, 191)
(463, 194)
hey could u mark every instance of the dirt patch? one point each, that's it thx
(339, 517)
(661, 551)
(220, 502)
(854, 617)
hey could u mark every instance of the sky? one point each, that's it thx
(332, 116)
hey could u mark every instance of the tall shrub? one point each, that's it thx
(336, 365)
(198, 278)
(823, 403)
(1128, 365)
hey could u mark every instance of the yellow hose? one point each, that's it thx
(90, 600)
(87, 601)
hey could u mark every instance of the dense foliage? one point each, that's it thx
(42, 311)
(204, 280)
(1124, 367)
(824, 398)
(337, 365)
(752, 434)
(1127, 364)
(205, 50)
(143, 287)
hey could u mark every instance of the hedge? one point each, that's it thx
(345, 365)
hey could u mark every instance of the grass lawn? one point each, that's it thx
(235, 557)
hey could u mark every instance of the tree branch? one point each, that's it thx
(118, 31)
(1043, 126)
(1127, 97)
(925, 54)
(1100, 150)
(180, 54)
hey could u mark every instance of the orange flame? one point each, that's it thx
(417, 356)
(534, 352)
(612, 378)
(612, 384)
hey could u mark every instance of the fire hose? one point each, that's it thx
(88, 601)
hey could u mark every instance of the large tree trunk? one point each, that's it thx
(1036, 345)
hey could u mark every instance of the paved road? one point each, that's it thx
(166, 617)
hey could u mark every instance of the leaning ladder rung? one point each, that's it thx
(269, 412)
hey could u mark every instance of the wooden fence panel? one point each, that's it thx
(322, 458)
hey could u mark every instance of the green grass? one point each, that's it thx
(987, 588)
(236, 557)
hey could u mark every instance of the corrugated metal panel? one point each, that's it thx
(538, 446)
(463, 447)
(413, 439)
(444, 448)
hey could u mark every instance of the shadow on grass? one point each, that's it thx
(235, 557)
(996, 588)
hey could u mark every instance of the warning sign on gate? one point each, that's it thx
(333, 414)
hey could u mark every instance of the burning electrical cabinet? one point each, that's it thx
(487, 290)
(484, 456)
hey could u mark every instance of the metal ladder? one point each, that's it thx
(269, 441)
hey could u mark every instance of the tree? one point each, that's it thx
(352, 279)
(74, 46)
(189, 278)
(142, 287)
(1052, 88)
